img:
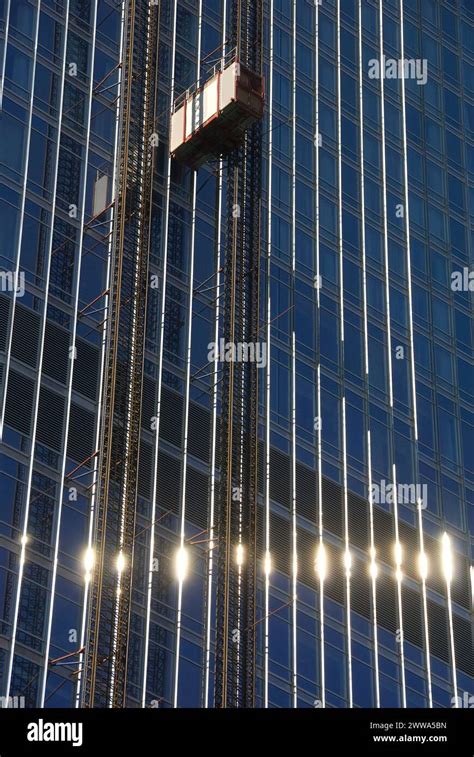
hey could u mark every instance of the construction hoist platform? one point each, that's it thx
(222, 117)
(106, 653)
(212, 120)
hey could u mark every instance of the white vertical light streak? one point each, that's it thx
(239, 544)
(347, 548)
(412, 352)
(389, 344)
(118, 590)
(294, 567)
(160, 368)
(40, 365)
(341, 352)
(212, 497)
(373, 572)
(447, 560)
(188, 381)
(318, 330)
(6, 369)
(268, 372)
(73, 347)
(215, 382)
(321, 546)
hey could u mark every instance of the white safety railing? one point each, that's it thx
(227, 60)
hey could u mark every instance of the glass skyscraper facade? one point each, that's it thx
(366, 472)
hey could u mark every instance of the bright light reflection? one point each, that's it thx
(398, 553)
(423, 565)
(120, 562)
(447, 558)
(320, 563)
(88, 561)
(267, 565)
(182, 562)
(239, 555)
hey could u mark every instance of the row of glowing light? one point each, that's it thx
(320, 562)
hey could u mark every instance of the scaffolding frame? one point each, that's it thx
(106, 654)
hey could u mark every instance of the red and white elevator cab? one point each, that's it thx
(211, 120)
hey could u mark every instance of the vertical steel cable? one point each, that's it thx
(398, 574)
(320, 551)
(373, 566)
(215, 381)
(341, 358)
(187, 386)
(267, 557)
(294, 550)
(160, 366)
(412, 360)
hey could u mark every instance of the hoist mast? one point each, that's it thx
(105, 659)
(237, 496)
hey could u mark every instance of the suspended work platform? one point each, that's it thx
(212, 120)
